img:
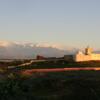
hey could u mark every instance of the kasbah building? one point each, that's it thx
(80, 56)
(88, 55)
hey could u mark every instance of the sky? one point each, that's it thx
(68, 22)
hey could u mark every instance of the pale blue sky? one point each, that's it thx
(68, 22)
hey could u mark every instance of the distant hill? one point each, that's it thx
(16, 50)
(98, 51)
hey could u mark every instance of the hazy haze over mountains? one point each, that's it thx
(16, 50)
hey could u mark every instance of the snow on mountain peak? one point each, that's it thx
(5, 43)
(29, 44)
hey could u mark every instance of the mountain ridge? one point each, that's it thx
(21, 50)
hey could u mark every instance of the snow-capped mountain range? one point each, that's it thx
(21, 50)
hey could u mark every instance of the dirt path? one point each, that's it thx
(30, 71)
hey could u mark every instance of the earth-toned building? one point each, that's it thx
(87, 56)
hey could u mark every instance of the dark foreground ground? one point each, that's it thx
(71, 85)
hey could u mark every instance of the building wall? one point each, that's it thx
(83, 57)
(79, 57)
(68, 57)
(95, 56)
